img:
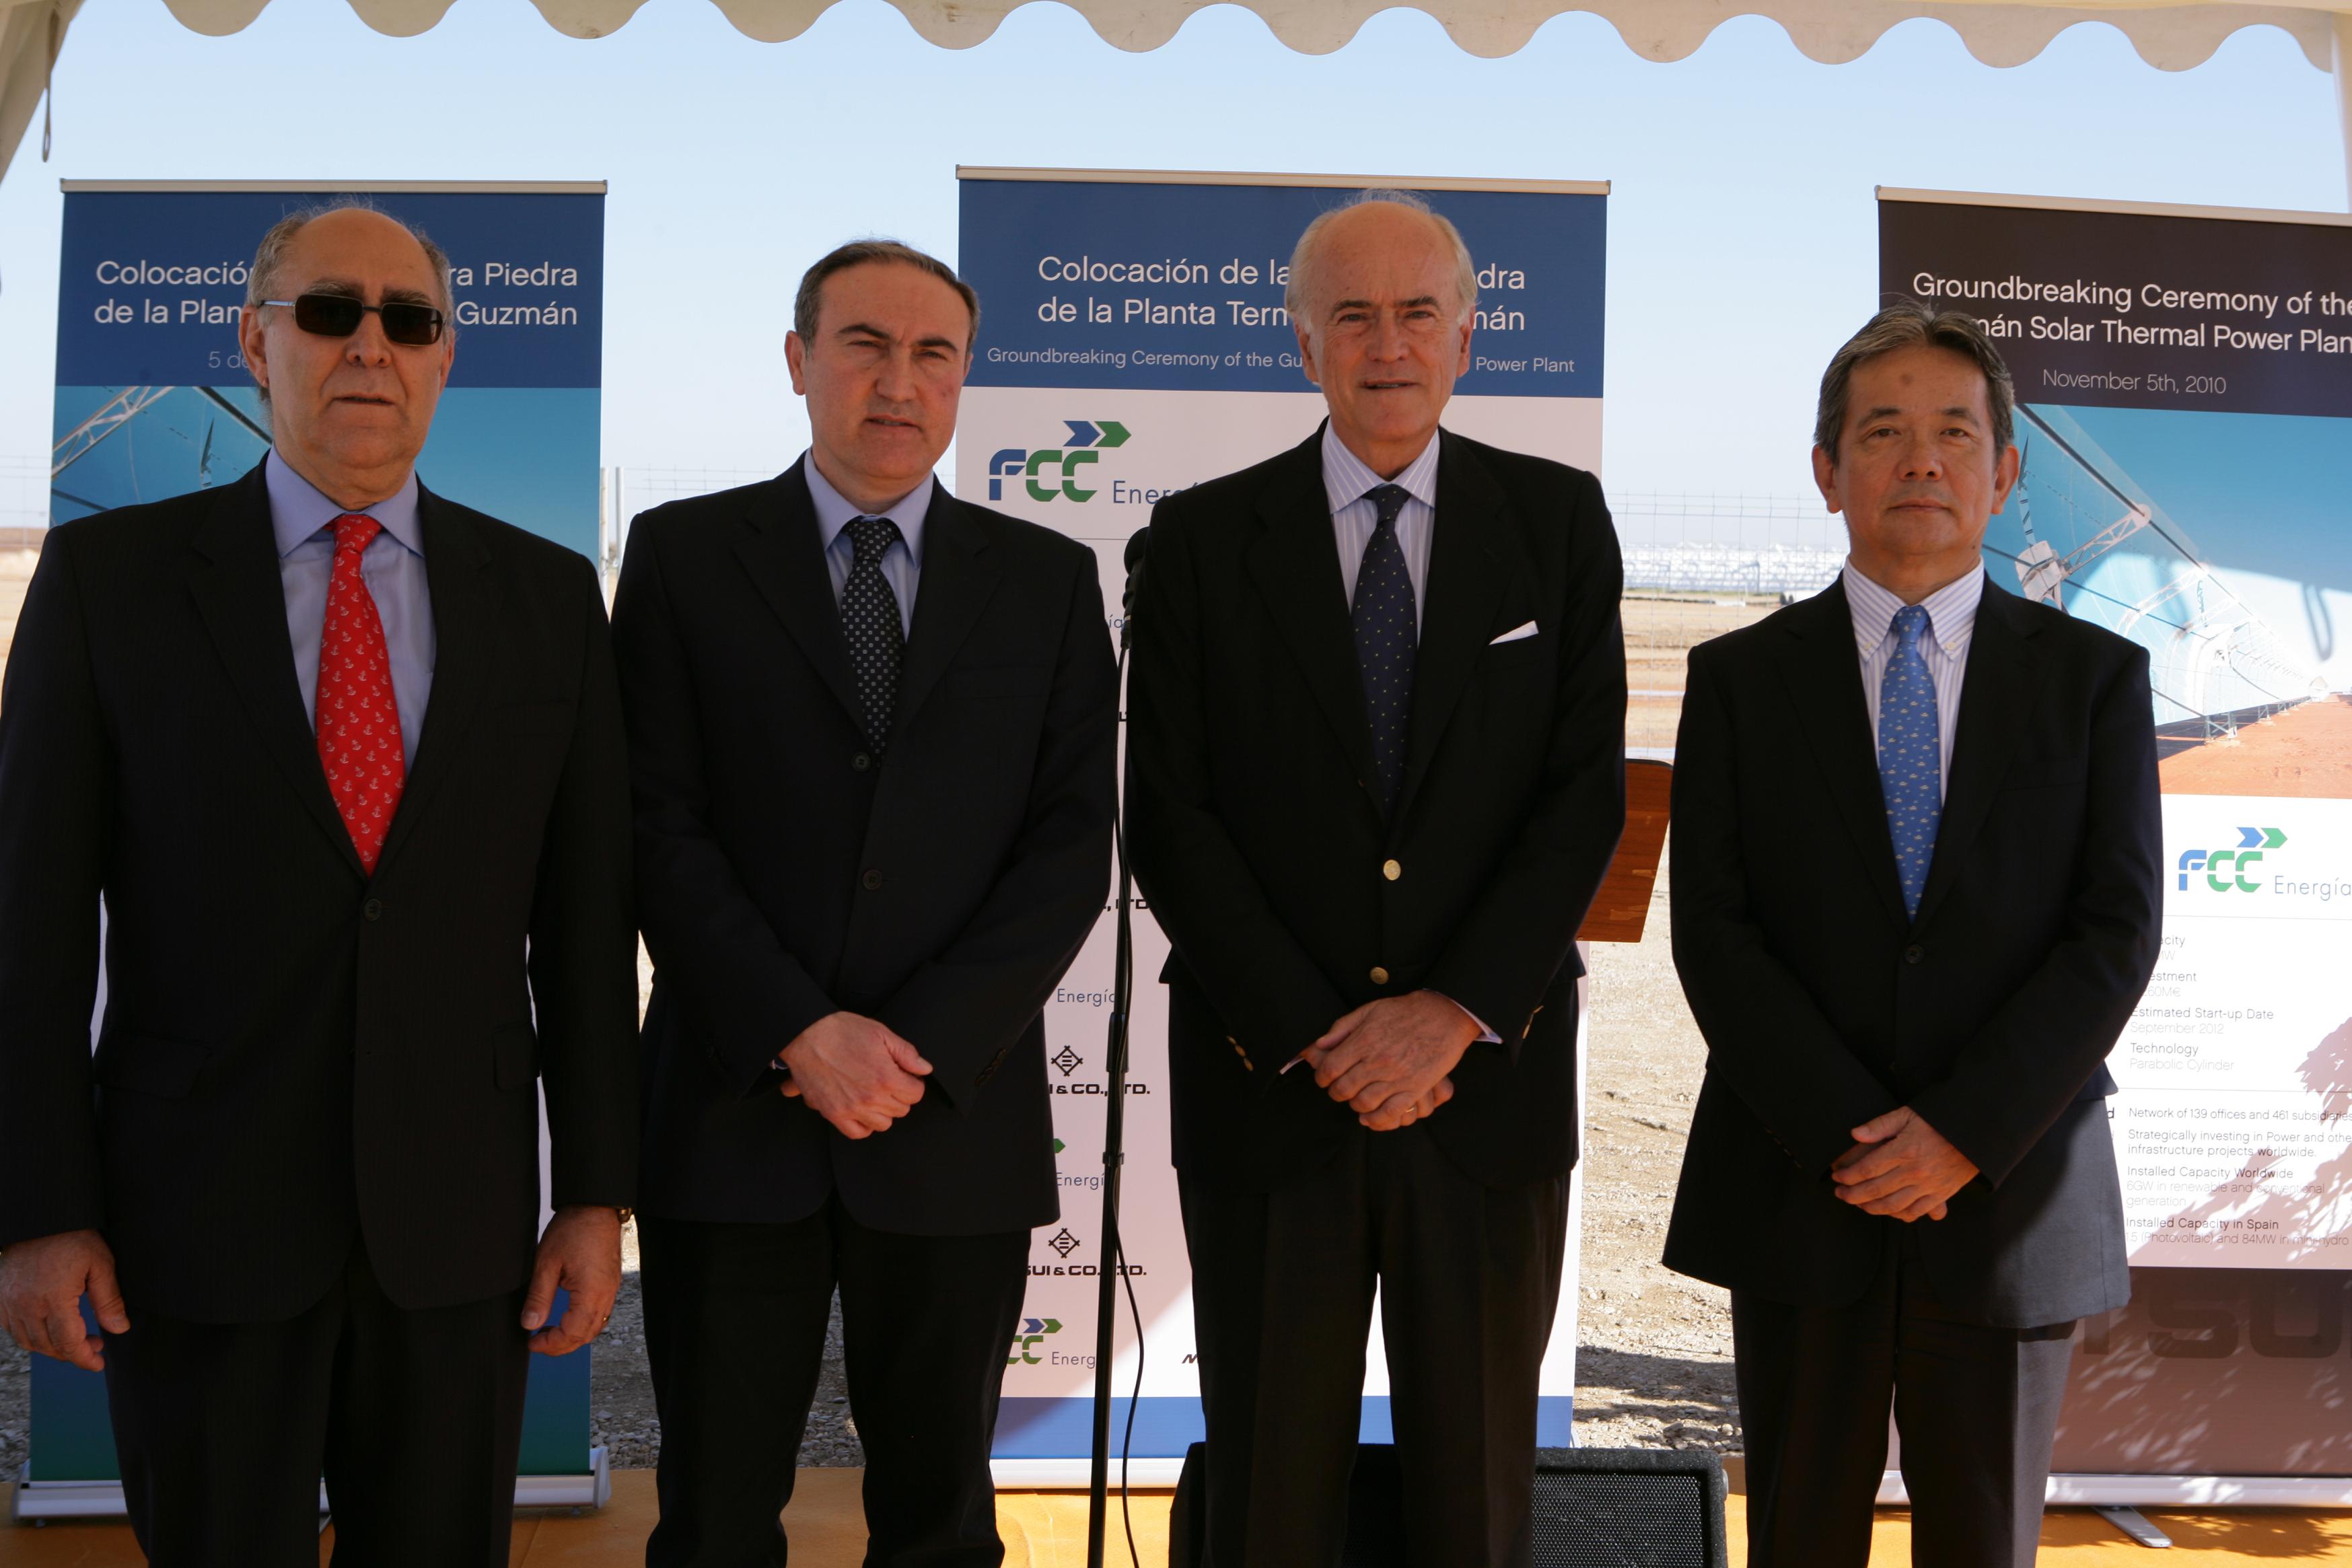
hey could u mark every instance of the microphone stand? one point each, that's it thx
(1114, 1127)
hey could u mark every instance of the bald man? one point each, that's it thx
(344, 761)
(1375, 774)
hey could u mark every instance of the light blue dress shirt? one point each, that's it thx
(1346, 477)
(394, 570)
(902, 563)
(1952, 628)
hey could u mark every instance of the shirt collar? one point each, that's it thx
(835, 510)
(298, 510)
(1346, 477)
(1951, 609)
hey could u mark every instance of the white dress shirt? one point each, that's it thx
(1951, 624)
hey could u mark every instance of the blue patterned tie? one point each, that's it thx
(1910, 755)
(1386, 635)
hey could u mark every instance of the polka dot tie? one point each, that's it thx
(1910, 755)
(358, 717)
(869, 618)
(1386, 635)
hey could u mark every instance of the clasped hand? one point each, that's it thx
(854, 1073)
(1390, 1061)
(1901, 1167)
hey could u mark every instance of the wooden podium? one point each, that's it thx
(1623, 906)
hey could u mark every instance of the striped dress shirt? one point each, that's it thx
(1952, 622)
(1346, 477)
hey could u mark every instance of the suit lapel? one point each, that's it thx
(786, 559)
(237, 591)
(464, 656)
(957, 577)
(1470, 555)
(1823, 673)
(1995, 695)
(1295, 561)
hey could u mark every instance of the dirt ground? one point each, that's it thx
(2304, 751)
(1660, 629)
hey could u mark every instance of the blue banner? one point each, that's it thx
(1180, 287)
(153, 398)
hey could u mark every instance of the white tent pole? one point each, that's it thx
(2343, 21)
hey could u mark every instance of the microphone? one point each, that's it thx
(1139, 551)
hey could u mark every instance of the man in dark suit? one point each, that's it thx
(1916, 897)
(872, 730)
(348, 931)
(1376, 772)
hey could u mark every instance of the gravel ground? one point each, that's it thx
(621, 1396)
(1653, 1352)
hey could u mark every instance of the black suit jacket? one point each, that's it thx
(1991, 1014)
(293, 1051)
(784, 874)
(1264, 853)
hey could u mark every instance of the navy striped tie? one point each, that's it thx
(1386, 635)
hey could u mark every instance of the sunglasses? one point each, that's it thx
(338, 316)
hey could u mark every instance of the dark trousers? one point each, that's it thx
(1282, 1293)
(735, 1319)
(413, 1419)
(1976, 1408)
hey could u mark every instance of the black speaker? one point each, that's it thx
(1594, 1508)
(1628, 1507)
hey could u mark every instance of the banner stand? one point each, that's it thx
(39, 1500)
(2184, 398)
(1136, 342)
(152, 399)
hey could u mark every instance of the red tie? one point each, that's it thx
(359, 719)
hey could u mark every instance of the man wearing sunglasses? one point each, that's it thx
(345, 760)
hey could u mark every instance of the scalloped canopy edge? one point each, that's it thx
(2169, 37)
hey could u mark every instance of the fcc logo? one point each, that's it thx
(1052, 471)
(2225, 869)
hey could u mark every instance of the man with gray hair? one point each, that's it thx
(1916, 886)
(343, 758)
(1375, 776)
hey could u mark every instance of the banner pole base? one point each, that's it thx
(2134, 1523)
(39, 1500)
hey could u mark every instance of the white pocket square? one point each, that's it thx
(1516, 633)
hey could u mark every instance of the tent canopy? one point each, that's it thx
(1997, 32)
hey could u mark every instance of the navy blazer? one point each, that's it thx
(1288, 899)
(785, 873)
(295, 1053)
(1990, 1014)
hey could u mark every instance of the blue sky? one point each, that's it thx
(1742, 229)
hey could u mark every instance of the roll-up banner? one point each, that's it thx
(2184, 388)
(153, 400)
(1133, 342)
